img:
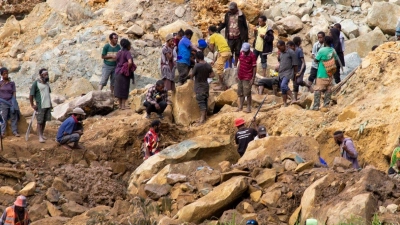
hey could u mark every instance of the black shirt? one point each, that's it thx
(243, 138)
(201, 72)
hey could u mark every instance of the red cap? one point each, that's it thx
(239, 121)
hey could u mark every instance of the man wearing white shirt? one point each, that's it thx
(314, 67)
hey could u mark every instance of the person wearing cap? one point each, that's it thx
(287, 68)
(347, 148)
(183, 61)
(9, 108)
(236, 30)
(251, 222)
(109, 56)
(202, 44)
(168, 64)
(71, 130)
(246, 74)
(219, 43)
(40, 91)
(243, 136)
(16, 214)
(263, 43)
(262, 133)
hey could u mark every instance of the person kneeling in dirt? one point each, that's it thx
(270, 84)
(243, 136)
(16, 214)
(71, 129)
(156, 100)
(347, 148)
(151, 140)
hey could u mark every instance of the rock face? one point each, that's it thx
(193, 149)
(353, 200)
(185, 107)
(77, 87)
(93, 103)
(384, 15)
(349, 28)
(363, 44)
(222, 196)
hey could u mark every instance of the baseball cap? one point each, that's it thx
(262, 130)
(169, 36)
(245, 47)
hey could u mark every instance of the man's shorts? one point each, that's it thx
(220, 63)
(235, 45)
(43, 115)
(107, 72)
(244, 88)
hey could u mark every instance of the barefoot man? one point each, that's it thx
(40, 91)
(71, 129)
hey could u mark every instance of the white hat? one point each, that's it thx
(78, 110)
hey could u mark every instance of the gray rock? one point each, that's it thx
(53, 32)
(52, 195)
(156, 191)
(363, 44)
(352, 60)
(71, 209)
(180, 11)
(383, 15)
(349, 27)
(94, 103)
(18, 47)
(136, 30)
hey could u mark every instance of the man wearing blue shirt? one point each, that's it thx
(71, 130)
(185, 48)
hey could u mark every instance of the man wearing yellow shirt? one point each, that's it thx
(263, 42)
(224, 53)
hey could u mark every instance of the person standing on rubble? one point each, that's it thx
(9, 108)
(109, 56)
(287, 68)
(40, 91)
(201, 72)
(314, 66)
(236, 30)
(263, 43)
(219, 43)
(347, 148)
(168, 63)
(16, 214)
(183, 63)
(243, 136)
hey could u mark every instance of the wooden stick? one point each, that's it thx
(345, 80)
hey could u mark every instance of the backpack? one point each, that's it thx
(330, 65)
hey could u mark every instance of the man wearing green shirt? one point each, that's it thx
(109, 54)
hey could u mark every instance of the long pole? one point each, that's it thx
(259, 107)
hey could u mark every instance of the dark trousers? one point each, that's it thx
(337, 73)
(152, 108)
(313, 75)
(298, 81)
(183, 71)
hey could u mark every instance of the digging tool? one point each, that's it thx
(259, 107)
(338, 86)
(30, 127)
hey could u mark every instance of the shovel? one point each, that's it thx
(259, 107)
(30, 127)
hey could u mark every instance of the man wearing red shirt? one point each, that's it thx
(151, 140)
(246, 73)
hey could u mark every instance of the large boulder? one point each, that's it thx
(250, 10)
(384, 15)
(176, 26)
(212, 149)
(227, 97)
(319, 23)
(52, 221)
(74, 10)
(292, 24)
(185, 108)
(219, 198)
(363, 44)
(93, 103)
(71, 209)
(77, 87)
(274, 146)
(349, 28)
(358, 200)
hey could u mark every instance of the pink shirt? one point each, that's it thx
(247, 63)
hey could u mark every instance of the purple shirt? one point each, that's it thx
(350, 146)
(122, 57)
(7, 90)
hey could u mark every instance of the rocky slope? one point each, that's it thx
(278, 180)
